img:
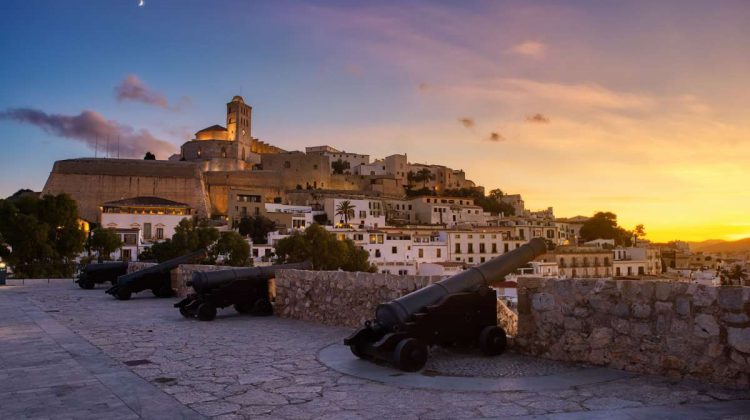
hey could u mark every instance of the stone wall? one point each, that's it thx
(658, 327)
(184, 273)
(349, 299)
(91, 182)
(138, 265)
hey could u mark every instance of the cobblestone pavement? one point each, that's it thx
(247, 367)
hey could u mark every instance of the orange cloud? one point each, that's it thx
(531, 49)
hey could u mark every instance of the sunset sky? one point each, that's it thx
(640, 108)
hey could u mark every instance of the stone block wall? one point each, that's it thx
(659, 327)
(184, 273)
(137, 266)
(349, 299)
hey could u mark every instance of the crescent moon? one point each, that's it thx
(141, 3)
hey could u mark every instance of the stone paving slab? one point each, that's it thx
(266, 367)
(47, 371)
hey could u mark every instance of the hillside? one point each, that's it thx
(742, 245)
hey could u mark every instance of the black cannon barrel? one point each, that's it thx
(398, 311)
(95, 267)
(164, 267)
(206, 280)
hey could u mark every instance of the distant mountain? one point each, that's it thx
(742, 245)
(698, 246)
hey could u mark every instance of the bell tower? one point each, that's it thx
(239, 120)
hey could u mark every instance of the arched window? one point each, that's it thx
(223, 152)
(200, 151)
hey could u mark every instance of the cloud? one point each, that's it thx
(531, 49)
(467, 122)
(90, 128)
(354, 70)
(131, 88)
(495, 136)
(537, 119)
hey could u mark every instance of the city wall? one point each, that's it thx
(657, 327)
(91, 182)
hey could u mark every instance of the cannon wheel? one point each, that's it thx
(186, 312)
(123, 294)
(410, 355)
(163, 292)
(206, 312)
(492, 340)
(244, 307)
(262, 307)
(86, 284)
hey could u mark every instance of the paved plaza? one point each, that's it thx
(72, 353)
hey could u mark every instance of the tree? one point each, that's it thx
(191, 234)
(104, 242)
(639, 231)
(339, 166)
(257, 227)
(424, 175)
(345, 209)
(41, 236)
(489, 203)
(235, 247)
(736, 276)
(324, 250)
(603, 225)
(496, 194)
(149, 156)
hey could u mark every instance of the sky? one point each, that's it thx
(641, 108)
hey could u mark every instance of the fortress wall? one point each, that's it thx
(92, 182)
(655, 327)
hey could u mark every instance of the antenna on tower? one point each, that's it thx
(106, 149)
(96, 147)
(118, 147)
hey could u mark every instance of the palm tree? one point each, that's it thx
(346, 210)
(735, 276)
(425, 175)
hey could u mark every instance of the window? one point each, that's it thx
(377, 253)
(481, 249)
(147, 231)
(458, 248)
(287, 164)
(471, 249)
(223, 152)
(421, 253)
(394, 250)
(200, 151)
(315, 166)
(438, 252)
(471, 259)
(494, 248)
(159, 233)
(126, 254)
(481, 259)
(505, 247)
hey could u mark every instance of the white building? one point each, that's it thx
(290, 217)
(142, 221)
(366, 213)
(333, 154)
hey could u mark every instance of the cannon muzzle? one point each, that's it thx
(204, 281)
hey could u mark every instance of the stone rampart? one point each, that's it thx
(184, 273)
(349, 299)
(138, 265)
(659, 327)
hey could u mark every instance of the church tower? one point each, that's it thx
(239, 122)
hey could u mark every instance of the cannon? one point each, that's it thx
(94, 274)
(157, 278)
(461, 309)
(245, 288)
